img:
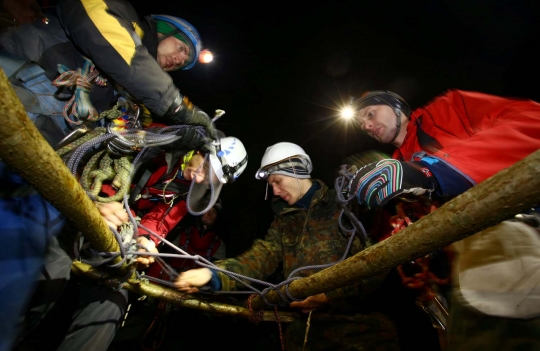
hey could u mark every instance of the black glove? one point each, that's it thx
(191, 139)
(182, 111)
(377, 183)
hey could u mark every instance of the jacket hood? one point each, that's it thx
(150, 38)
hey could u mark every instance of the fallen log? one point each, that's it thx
(174, 297)
(24, 149)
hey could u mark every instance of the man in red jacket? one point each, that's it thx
(467, 134)
(454, 142)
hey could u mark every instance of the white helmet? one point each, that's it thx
(273, 161)
(230, 159)
(220, 167)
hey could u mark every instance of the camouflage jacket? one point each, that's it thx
(298, 238)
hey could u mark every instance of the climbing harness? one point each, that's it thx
(430, 300)
(423, 279)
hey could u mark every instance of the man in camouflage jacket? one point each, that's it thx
(305, 232)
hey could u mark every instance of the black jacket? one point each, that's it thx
(121, 45)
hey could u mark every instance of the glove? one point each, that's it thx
(182, 111)
(378, 182)
(191, 140)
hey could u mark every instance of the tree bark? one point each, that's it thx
(24, 149)
(175, 297)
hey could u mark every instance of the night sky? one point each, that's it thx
(282, 69)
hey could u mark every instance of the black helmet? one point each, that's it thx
(385, 97)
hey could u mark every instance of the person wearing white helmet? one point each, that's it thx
(117, 53)
(304, 233)
(181, 181)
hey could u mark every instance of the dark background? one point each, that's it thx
(282, 70)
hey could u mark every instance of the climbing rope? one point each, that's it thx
(116, 170)
(82, 79)
(424, 280)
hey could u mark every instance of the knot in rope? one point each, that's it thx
(82, 79)
(424, 278)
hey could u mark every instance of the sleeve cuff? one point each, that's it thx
(215, 282)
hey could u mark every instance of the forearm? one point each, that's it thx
(259, 262)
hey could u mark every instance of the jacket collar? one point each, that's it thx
(150, 39)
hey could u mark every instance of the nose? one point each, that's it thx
(179, 59)
(367, 126)
(275, 190)
(198, 178)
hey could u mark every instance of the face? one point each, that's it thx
(287, 188)
(172, 54)
(195, 170)
(209, 217)
(378, 121)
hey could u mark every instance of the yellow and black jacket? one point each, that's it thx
(122, 46)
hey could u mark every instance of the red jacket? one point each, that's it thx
(194, 241)
(477, 134)
(156, 212)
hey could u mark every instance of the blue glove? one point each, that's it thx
(379, 182)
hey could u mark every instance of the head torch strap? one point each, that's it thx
(288, 166)
(230, 170)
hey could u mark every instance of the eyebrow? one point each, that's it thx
(186, 48)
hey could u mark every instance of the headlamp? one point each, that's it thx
(263, 174)
(228, 171)
(206, 56)
(349, 110)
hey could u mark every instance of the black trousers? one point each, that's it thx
(68, 312)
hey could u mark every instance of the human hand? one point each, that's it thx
(377, 183)
(310, 303)
(183, 111)
(189, 281)
(113, 213)
(146, 245)
(191, 139)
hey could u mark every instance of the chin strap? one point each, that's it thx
(398, 124)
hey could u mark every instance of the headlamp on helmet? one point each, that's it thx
(230, 159)
(285, 158)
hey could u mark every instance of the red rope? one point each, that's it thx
(423, 279)
(254, 317)
(278, 321)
